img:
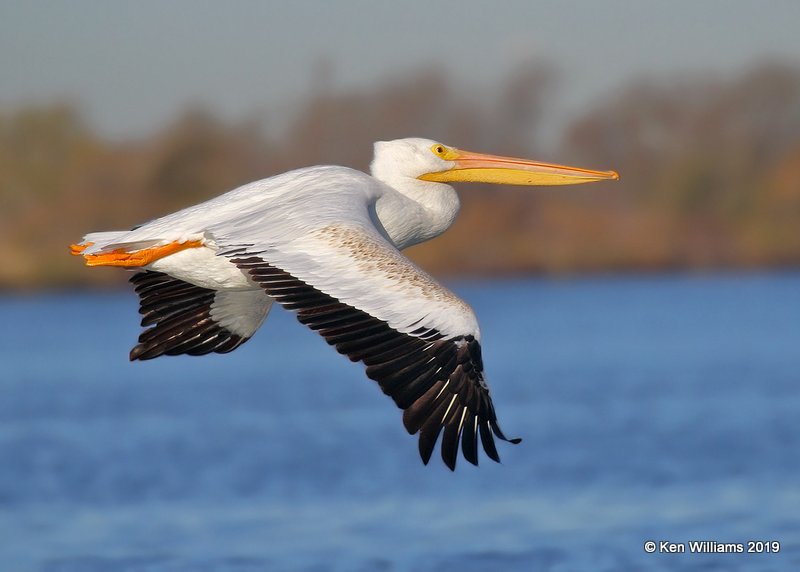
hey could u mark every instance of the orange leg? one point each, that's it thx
(143, 257)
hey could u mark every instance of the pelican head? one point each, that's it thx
(428, 160)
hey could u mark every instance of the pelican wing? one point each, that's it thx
(418, 340)
(182, 318)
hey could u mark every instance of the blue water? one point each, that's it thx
(657, 408)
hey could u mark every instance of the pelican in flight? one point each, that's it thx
(325, 242)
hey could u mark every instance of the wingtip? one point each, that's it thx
(488, 442)
(500, 435)
(139, 353)
(425, 449)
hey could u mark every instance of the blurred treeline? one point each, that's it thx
(710, 172)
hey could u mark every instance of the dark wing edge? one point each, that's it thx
(178, 319)
(438, 382)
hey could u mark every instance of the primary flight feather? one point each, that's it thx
(325, 243)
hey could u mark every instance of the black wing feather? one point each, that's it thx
(437, 381)
(469, 441)
(179, 316)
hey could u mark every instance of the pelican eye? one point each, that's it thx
(443, 152)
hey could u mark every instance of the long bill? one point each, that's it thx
(480, 168)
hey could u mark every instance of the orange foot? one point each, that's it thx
(76, 249)
(120, 257)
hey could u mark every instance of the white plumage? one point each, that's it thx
(325, 242)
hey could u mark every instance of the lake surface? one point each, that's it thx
(651, 408)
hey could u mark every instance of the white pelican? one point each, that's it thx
(325, 243)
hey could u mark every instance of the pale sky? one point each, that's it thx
(130, 66)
